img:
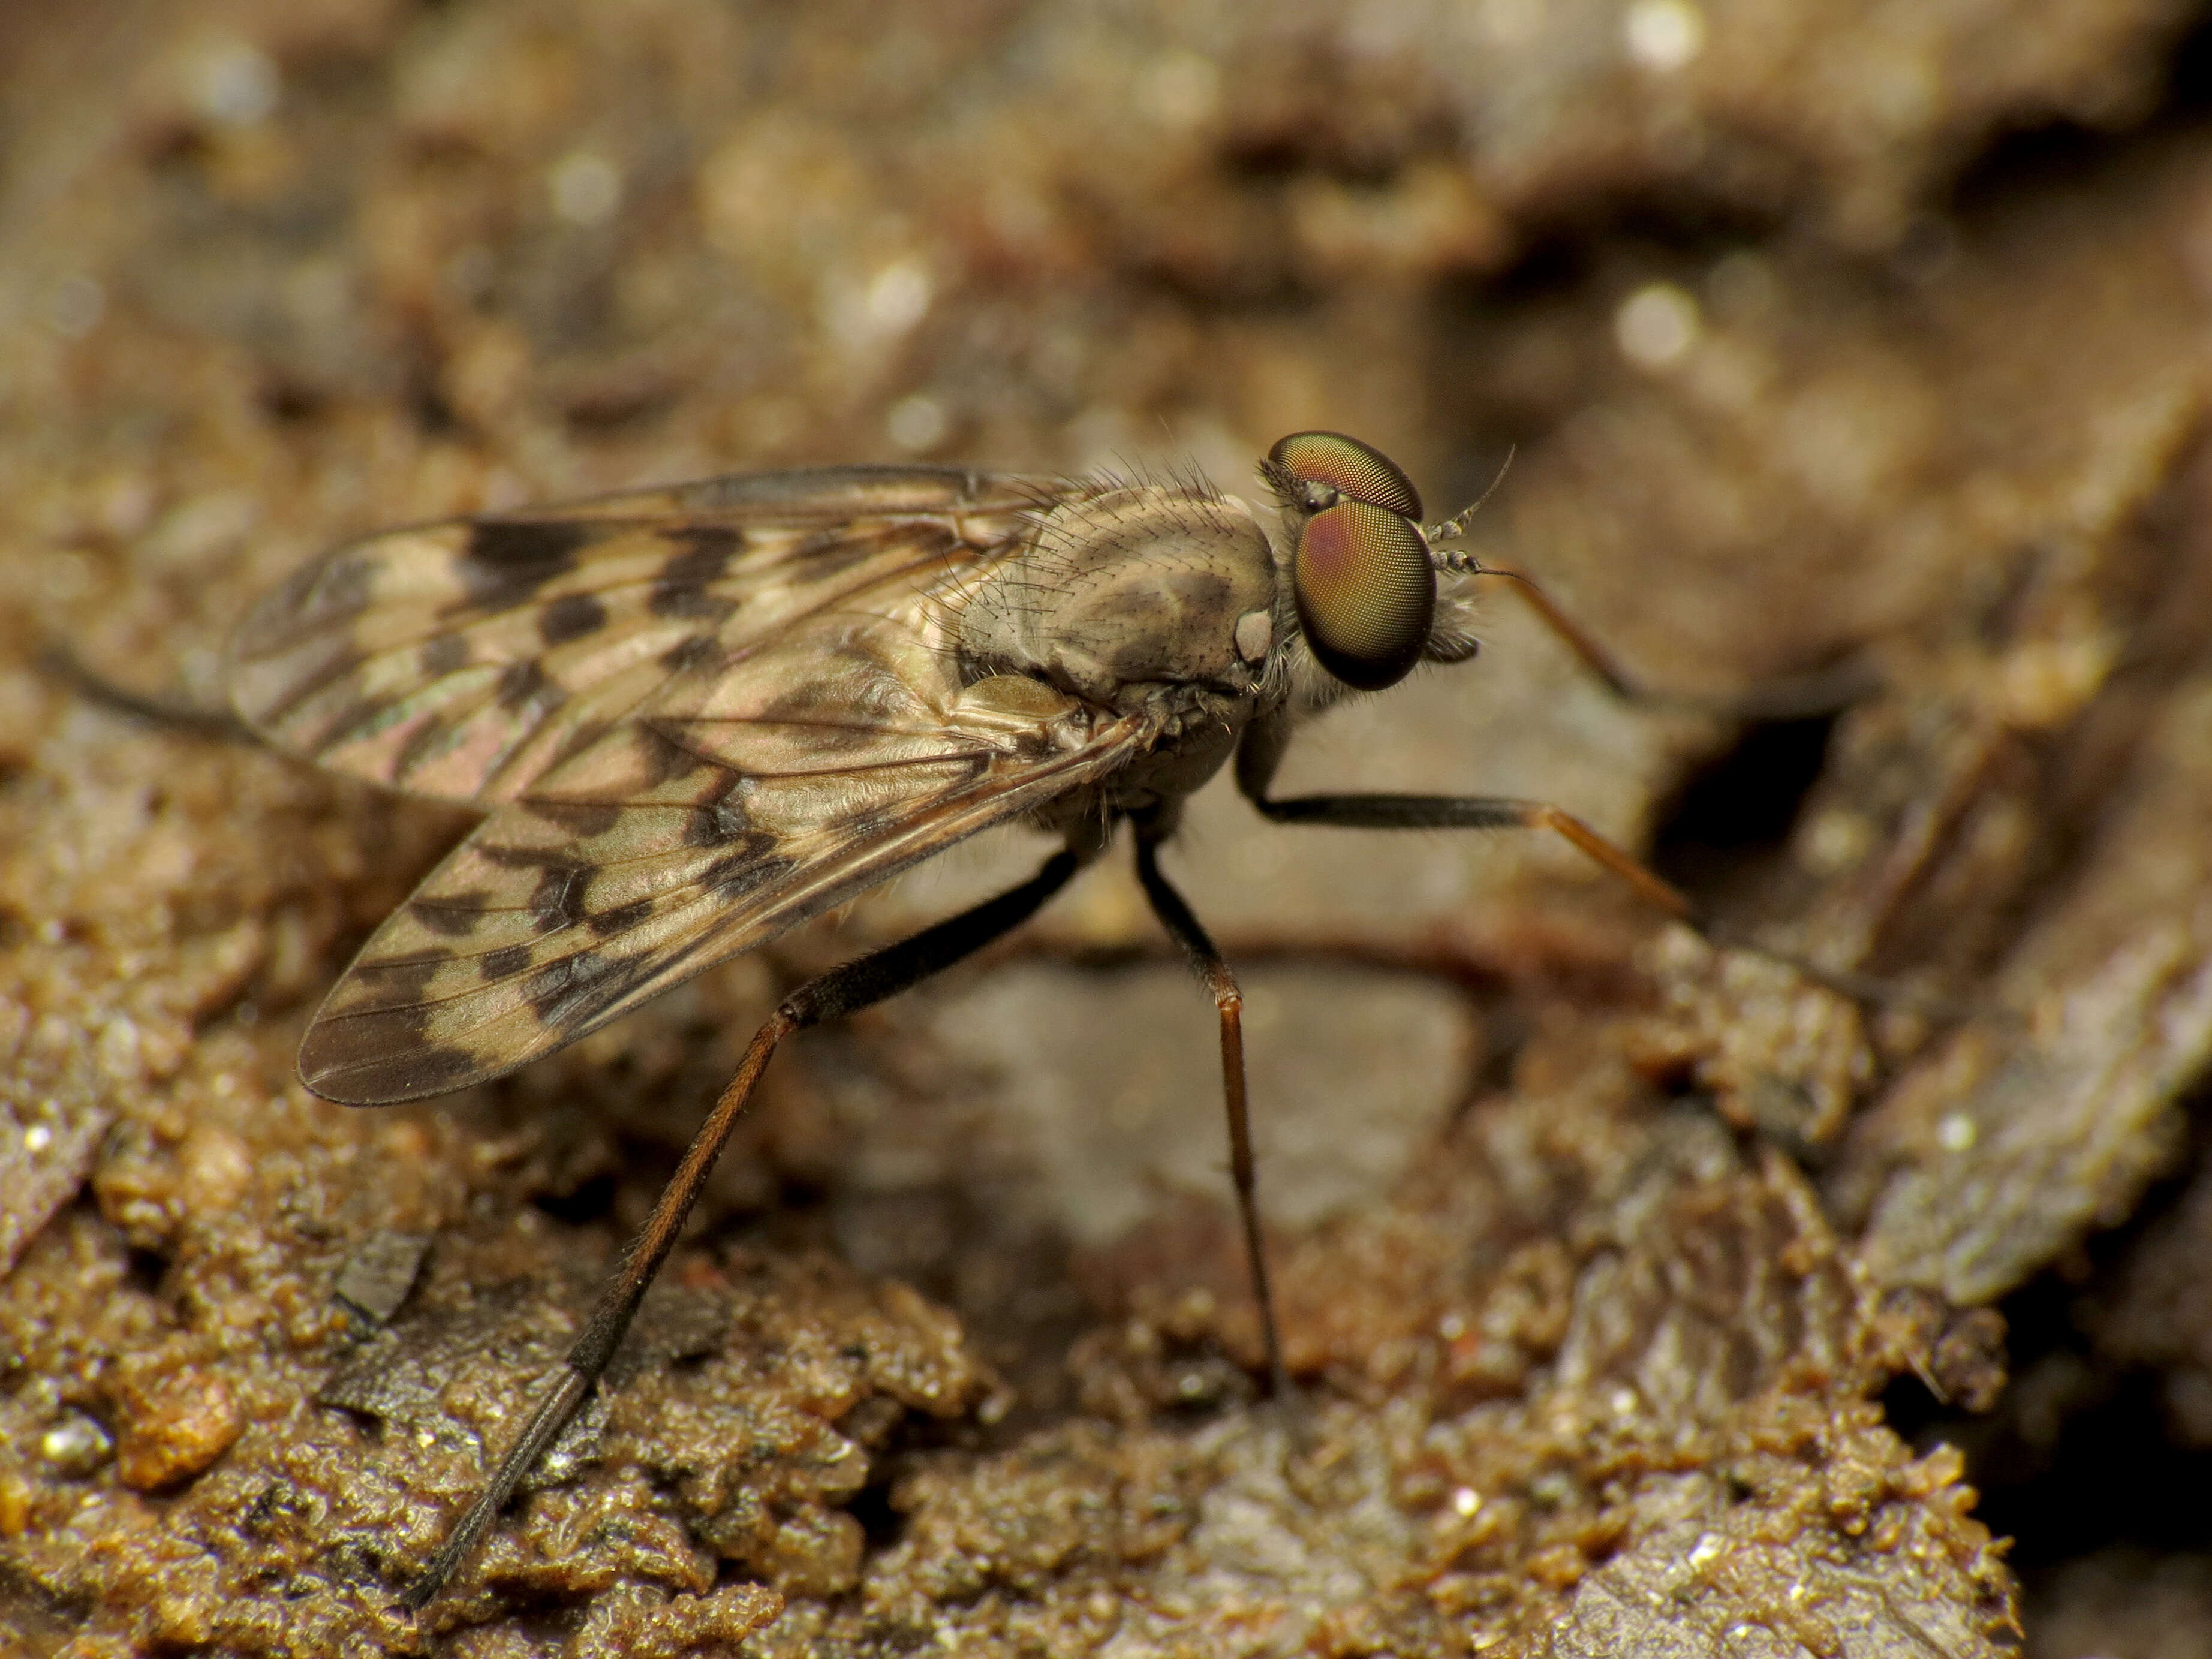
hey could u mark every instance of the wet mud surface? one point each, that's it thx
(1647, 1294)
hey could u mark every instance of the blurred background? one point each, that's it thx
(1646, 1296)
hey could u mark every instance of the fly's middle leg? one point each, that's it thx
(1215, 974)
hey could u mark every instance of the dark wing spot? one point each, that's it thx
(503, 963)
(706, 551)
(398, 982)
(508, 560)
(519, 683)
(571, 617)
(559, 900)
(664, 759)
(428, 739)
(363, 1062)
(452, 916)
(622, 918)
(446, 655)
(734, 877)
(694, 652)
(395, 1012)
(680, 588)
(429, 1070)
(580, 818)
(546, 988)
(686, 603)
(718, 822)
(519, 858)
(831, 552)
(564, 992)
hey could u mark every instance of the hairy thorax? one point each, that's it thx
(1117, 596)
(1149, 601)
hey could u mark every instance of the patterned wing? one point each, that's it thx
(767, 781)
(463, 660)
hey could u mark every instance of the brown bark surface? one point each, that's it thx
(1648, 1294)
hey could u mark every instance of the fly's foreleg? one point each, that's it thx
(1477, 812)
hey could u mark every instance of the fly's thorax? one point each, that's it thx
(1129, 593)
(1190, 751)
(1190, 747)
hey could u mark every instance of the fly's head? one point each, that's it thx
(1362, 577)
(1147, 598)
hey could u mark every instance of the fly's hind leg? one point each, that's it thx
(1214, 973)
(843, 990)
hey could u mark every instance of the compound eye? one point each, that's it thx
(1351, 468)
(1366, 592)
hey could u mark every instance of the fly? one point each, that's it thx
(697, 717)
